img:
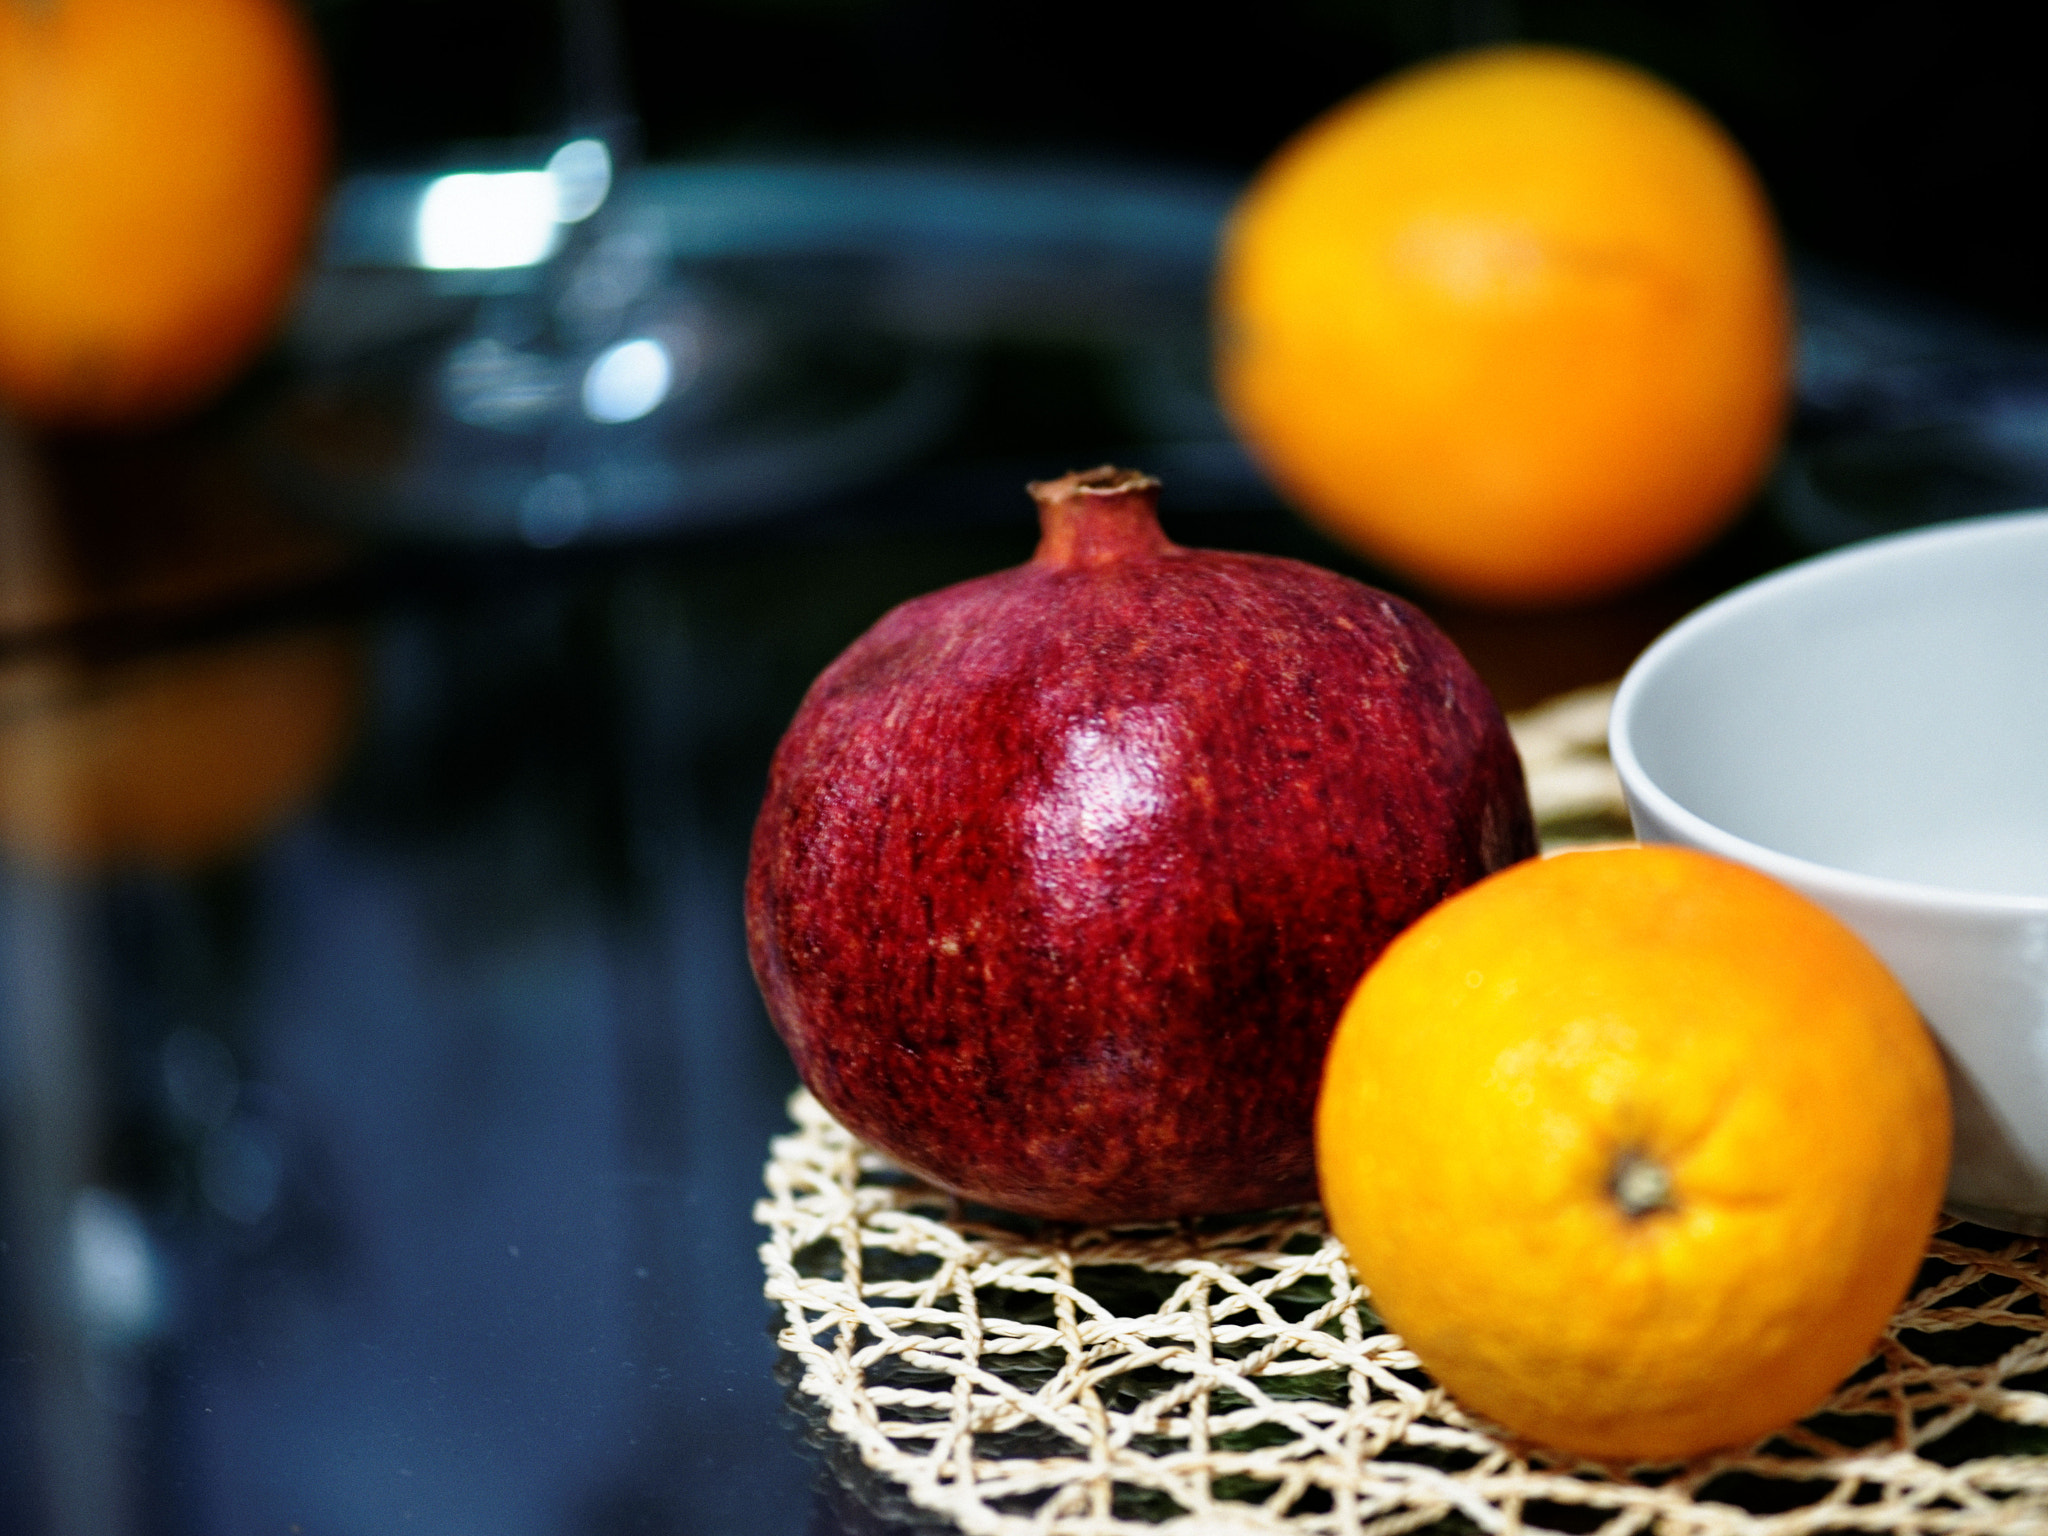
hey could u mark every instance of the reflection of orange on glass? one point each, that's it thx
(174, 759)
(159, 167)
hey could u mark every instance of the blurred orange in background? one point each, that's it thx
(176, 759)
(1515, 324)
(161, 753)
(160, 167)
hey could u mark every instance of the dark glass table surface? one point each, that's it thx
(383, 1158)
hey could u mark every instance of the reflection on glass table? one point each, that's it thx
(1909, 413)
(382, 1089)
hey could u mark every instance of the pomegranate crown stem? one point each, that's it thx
(1097, 517)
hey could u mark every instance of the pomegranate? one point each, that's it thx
(1064, 873)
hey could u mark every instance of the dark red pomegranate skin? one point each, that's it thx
(1064, 874)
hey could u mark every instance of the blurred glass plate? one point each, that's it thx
(718, 343)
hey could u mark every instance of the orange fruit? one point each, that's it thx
(160, 163)
(1514, 324)
(1636, 1148)
(174, 760)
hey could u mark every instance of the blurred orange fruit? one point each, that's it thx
(160, 163)
(175, 760)
(1637, 1149)
(1514, 324)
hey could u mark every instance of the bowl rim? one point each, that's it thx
(1734, 607)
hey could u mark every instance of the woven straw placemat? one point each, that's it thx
(1231, 1377)
(1014, 1377)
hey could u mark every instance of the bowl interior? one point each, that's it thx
(1882, 711)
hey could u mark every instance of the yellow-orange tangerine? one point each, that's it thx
(1636, 1148)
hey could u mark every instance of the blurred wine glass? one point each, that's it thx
(518, 352)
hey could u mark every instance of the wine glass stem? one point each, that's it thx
(599, 99)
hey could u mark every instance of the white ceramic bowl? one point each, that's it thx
(1871, 727)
